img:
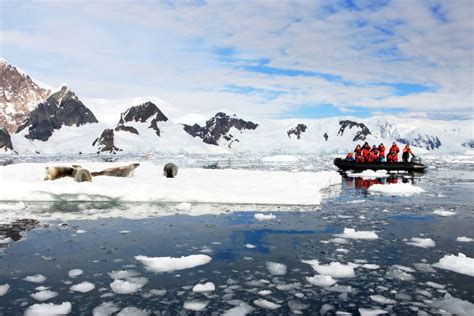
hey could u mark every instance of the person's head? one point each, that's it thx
(349, 154)
(366, 143)
(381, 144)
(394, 144)
(358, 146)
(373, 147)
(407, 145)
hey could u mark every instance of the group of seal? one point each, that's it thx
(80, 174)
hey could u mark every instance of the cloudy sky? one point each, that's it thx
(258, 59)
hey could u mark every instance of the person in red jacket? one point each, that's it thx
(406, 153)
(394, 148)
(392, 157)
(357, 150)
(382, 150)
(366, 151)
(349, 157)
(360, 158)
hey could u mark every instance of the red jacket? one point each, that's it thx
(382, 150)
(394, 148)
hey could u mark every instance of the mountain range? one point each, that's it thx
(34, 119)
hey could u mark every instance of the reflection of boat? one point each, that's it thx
(406, 166)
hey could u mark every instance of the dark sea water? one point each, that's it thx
(240, 246)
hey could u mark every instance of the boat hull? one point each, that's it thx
(389, 166)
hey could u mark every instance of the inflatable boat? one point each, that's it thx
(414, 165)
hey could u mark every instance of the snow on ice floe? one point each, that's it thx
(128, 286)
(464, 239)
(369, 174)
(240, 310)
(400, 273)
(170, 264)
(396, 189)
(23, 182)
(321, 280)
(44, 295)
(4, 288)
(264, 217)
(371, 312)
(453, 305)
(75, 273)
(334, 269)
(250, 246)
(444, 213)
(37, 278)
(280, 158)
(206, 287)
(351, 233)
(184, 206)
(15, 206)
(133, 311)
(195, 306)
(263, 303)
(382, 299)
(83, 287)
(5, 240)
(460, 264)
(276, 268)
(105, 309)
(49, 309)
(421, 242)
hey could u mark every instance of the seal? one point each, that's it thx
(170, 170)
(54, 173)
(81, 175)
(123, 171)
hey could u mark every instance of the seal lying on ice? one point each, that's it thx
(170, 170)
(123, 171)
(53, 173)
(81, 175)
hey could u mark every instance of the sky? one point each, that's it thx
(258, 59)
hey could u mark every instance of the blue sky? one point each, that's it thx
(275, 59)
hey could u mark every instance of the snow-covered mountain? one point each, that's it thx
(19, 95)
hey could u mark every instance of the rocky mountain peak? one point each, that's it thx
(362, 129)
(5, 140)
(298, 130)
(141, 113)
(19, 95)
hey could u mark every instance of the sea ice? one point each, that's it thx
(170, 264)
(333, 269)
(5, 240)
(131, 285)
(453, 305)
(371, 312)
(122, 274)
(9, 207)
(83, 287)
(195, 305)
(396, 272)
(250, 246)
(464, 239)
(44, 295)
(37, 278)
(435, 285)
(369, 174)
(75, 273)
(353, 234)
(133, 311)
(184, 206)
(382, 299)
(105, 309)
(4, 289)
(280, 158)
(276, 268)
(321, 280)
(48, 309)
(459, 264)
(421, 242)
(264, 292)
(444, 213)
(370, 266)
(206, 287)
(264, 217)
(240, 310)
(263, 303)
(395, 189)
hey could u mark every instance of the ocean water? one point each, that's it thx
(388, 273)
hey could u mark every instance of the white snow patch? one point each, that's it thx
(83, 287)
(4, 289)
(48, 309)
(81, 231)
(264, 217)
(6, 240)
(133, 311)
(250, 246)
(369, 174)
(370, 266)
(435, 285)
(444, 213)
(184, 206)
(333, 269)
(453, 305)
(17, 206)
(44, 295)
(263, 303)
(382, 299)
(464, 239)
(460, 264)
(195, 305)
(75, 273)
(353, 234)
(170, 264)
(321, 280)
(396, 189)
(371, 312)
(240, 310)
(276, 268)
(264, 292)
(131, 285)
(280, 158)
(206, 287)
(421, 242)
(37, 278)
(122, 274)
(105, 309)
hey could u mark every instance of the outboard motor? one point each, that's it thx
(416, 159)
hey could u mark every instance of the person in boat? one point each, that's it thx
(366, 151)
(382, 150)
(357, 150)
(373, 154)
(392, 157)
(406, 153)
(394, 148)
(349, 157)
(359, 158)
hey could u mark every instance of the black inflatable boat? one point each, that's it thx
(413, 166)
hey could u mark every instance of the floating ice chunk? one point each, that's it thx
(276, 268)
(75, 273)
(195, 305)
(435, 285)
(83, 287)
(48, 309)
(464, 239)
(4, 289)
(264, 217)
(124, 232)
(184, 206)
(338, 240)
(206, 287)
(250, 246)
(444, 213)
(122, 274)
(333, 269)
(264, 292)
(321, 280)
(421, 242)
(424, 267)
(12, 207)
(263, 303)
(240, 310)
(453, 305)
(105, 309)
(370, 266)
(133, 311)
(353, 234)
(396, 272)
(5, 240)
(371, 312)
(169, 264)
(289, 286)
(460, 264)
(382, 299)
(280, 158)
(395, 189)
(131, 285)
(356, 201)
(37, 278)
(44, 295)
(81, 231)
(369, 174)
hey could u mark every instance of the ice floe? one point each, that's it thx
(196, 306)
(184, 206)
(460, 264)
(353, 234)
(83, 287)
(133, 311)
(128, 286)
(321, 280)
(49, 309)
(4, 288)
(105, 309)
(264, 217)
(396, 189)
(399, 273)
(382, 299)
(12, 206)
(369, 174)
(36, 278)
(421, 242)
(444, 213)
(250, 246)
(453, 305)
(170, 264)
(371, 312)
(333, 269)
(464, 239)
(44, 295)
(240, 310)
(276, 268)
(75, 273)
(206, 287)
(5, 240)
(263, 303)
(280, 158)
